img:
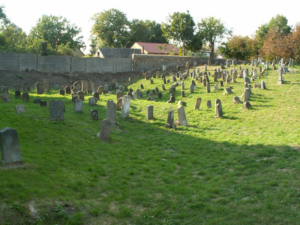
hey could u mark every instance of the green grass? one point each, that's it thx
(240, 169)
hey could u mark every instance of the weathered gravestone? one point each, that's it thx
(17, 94)
(80, 95)
(100, 90)
(263, 85)
(207, 87)
(78, 104)
(25, 97)
(56, 109)
(170, 120)
(20, 109)
(68, 90)
(247, 94)
(198, 103)
(10, 148)
(92, 101)
(149, 112)
(159, 95)
(218, 108)
(208, 104)
(26, 87)
(111, 112)
(246, 105)
(172, 98)
(119, 104)
(17, 88)
(105, 130)
(43, 104)
(96, 96)
(46, 86)
(236, 100)
(62, 92)
(181, 116)
(39, 88)
(125, 106)
(94, 114)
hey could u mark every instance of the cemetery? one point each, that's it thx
(191, 144)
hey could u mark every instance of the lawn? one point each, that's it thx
(240, 169)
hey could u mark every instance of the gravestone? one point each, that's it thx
(208, 104)
(39, 88)
(134, 95)
(80, 95)
(246, 105)
(119, 104)
(68, 90)
(20, 109)
(61, 92)
(218, 108)
(111, 112)
(170, 119)
(105, 130)
(26, 87)
(119, 94)
(94, 114)
(56, 109)
(221, 83)
(17, 94)
(43, 104)
(163, 87)
(85, 86)
(78, 104)
(236, 100)
(141, 86)
(247, 94)
(181, 116)
(37, 101)
(92, 101)
(17, 88)
(96, 96)
(198, 103)
(10, 148)
(100, 90)
(159, 95)
(191, 88)
(228, 90)
(182, 94)
(125, 106)
(207, 88)
(216, 87)
(172, 98)
(91, 87)
(46, 86)
(25, 97)
(149, 112)
(263, 85)
(106, 88)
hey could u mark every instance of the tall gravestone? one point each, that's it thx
(10, 148)
(198, 103)
(181, 116)
(105, 130)
(218, 108)
(25, 97)
(149, 112)
(56, 109)
(170, 119)
(78, 104)
(39, 88)
(111, 112)
(125, 106)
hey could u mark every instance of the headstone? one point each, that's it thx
(208, 104)
(17, 88)
(105, 130)
(125, 106)
(20, 109)
(92, 101)
(37, 101)
(80, 95)
(228, 90)
(61, 92)
(25, 87)
(100, 90)
(263, 85)
(39, 88)
(236, 100)
(247, 94)
(221, 83)
(68, 90)
(17, 94)
(43, 104)
(25, 97)
(181, 116)
(246, 105)
(216, 87)
(182, 94)
(119, 104)
(94, 114)
(198, 103)
(149, 112)
(159, 95)
(10, 148)
(96, 96)
(191, 88)
(163, 87)
(106, 88)
(46, 86)
(172, 98)
(170, 119)
(218, 108)
(56, 109)
(134, 94)
(78, 104)
(111, 112)
(207, 88)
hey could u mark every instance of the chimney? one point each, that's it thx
(142, 49)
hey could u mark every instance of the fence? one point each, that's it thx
(26, 61)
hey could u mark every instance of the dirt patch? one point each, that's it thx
(11, 78)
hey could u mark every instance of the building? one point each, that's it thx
(156, 48)
(116, 52)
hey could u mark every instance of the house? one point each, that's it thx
(78, 53)
(116, 52)
(156, 48)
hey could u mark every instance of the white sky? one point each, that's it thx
(244, 17)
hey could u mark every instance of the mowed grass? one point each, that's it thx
(240, 169)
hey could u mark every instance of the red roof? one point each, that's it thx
(152, 48)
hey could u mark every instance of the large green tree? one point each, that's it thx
(111, 29)
(181, 28)
(146, 31)
(212, 30)
(281, 22)
(56, 31)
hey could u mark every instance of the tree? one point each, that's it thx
(180, 27)
(146, 31)
(295, 38)
(56, 31)
(260, 34)
(111, 29)
(212, 30)
(282, 23)
(3, 19)
(242, 48)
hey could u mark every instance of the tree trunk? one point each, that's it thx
(212, 48)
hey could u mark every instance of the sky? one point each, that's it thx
(243, 17)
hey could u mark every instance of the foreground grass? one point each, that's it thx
(240, 169)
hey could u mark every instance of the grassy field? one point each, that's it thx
(240, 169)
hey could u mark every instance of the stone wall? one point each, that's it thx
(25, 61)
(151, 63)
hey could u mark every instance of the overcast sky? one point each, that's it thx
(244, 17)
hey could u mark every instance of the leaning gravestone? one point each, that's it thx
(78, 104)
(236, 100)
(149, 112)
(170, 119)
(125, 106)
(10, 148)
(20, 109)
(56, 109)
(181, 116)
(198, 103)
(105, 130)
(111, 109)
(25, 97)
